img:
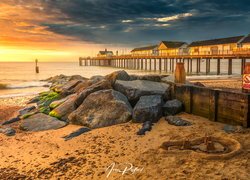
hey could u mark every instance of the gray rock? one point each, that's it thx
(146, 126)
(135, 89)
(102, 108)
(177, 121)
(41, 122)
(148, 108)
(8, 131)
(95, 79)
(101, 85)
(172, 107)
(26, 110)
(33, 100)
(12, 120)
(118, 75)
(68, 88)
(76, 133)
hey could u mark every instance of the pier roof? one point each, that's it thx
(228, 40)
(145, 48)
(173, 44)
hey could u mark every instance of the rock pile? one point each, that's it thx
(100, 101)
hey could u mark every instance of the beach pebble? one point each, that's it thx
(8, 131)
(146, 126)
(177, 121)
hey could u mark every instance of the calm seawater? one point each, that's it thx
(21, 79)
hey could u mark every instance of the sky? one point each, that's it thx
(63, 30)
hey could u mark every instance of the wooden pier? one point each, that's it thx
(167, 63)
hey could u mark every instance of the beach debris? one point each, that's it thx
(148, 108)
(177, 121)
(232, 129)
(146, 126)
(102, 108)
(8, 131)
(26, 110)
(117, 75)
(12, 120)
(135, 89)
(62, 111)
(101, 85)
(172, 107)
(41, 122)
(211, 147)
(76, 133)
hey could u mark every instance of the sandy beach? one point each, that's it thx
(45, 155)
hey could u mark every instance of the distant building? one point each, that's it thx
(145, 51)
(215, 46)
(171, 48)
(105, 53)
(245, 43)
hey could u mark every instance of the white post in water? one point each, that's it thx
(37, 68)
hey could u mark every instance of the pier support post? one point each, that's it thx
(243, 63)
(150, 64)
(230, 66)
(173, 64)
(218, 66)
(142, 64)
(146, 64)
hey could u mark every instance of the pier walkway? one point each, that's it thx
(167, 63)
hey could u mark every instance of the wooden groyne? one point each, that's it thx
(216, 105)
(167, 63)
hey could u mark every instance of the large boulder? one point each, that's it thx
(101, 85)
(135, 89)
(81, 86)
(172, 107)
(41, 122)
(118, 75)
(148, 108)
(102, 108)
(95, 79)
(62, 111)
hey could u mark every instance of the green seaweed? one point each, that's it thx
(54, 114)
(44, 110)
(25, 116)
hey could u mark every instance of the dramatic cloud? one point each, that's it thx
(133, 23)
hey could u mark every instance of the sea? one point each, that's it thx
(20, 78)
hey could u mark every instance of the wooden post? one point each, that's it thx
(146, 64)
(191, 65)
(150, 64)
(142, 64)
(218, 66)
(173, 64)
(188, 65)
(197, 65)
(230, 68)
(80, 61)
(170, 65)
(180, 74)
(37, 68)
(243, 62)
(206, 66)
